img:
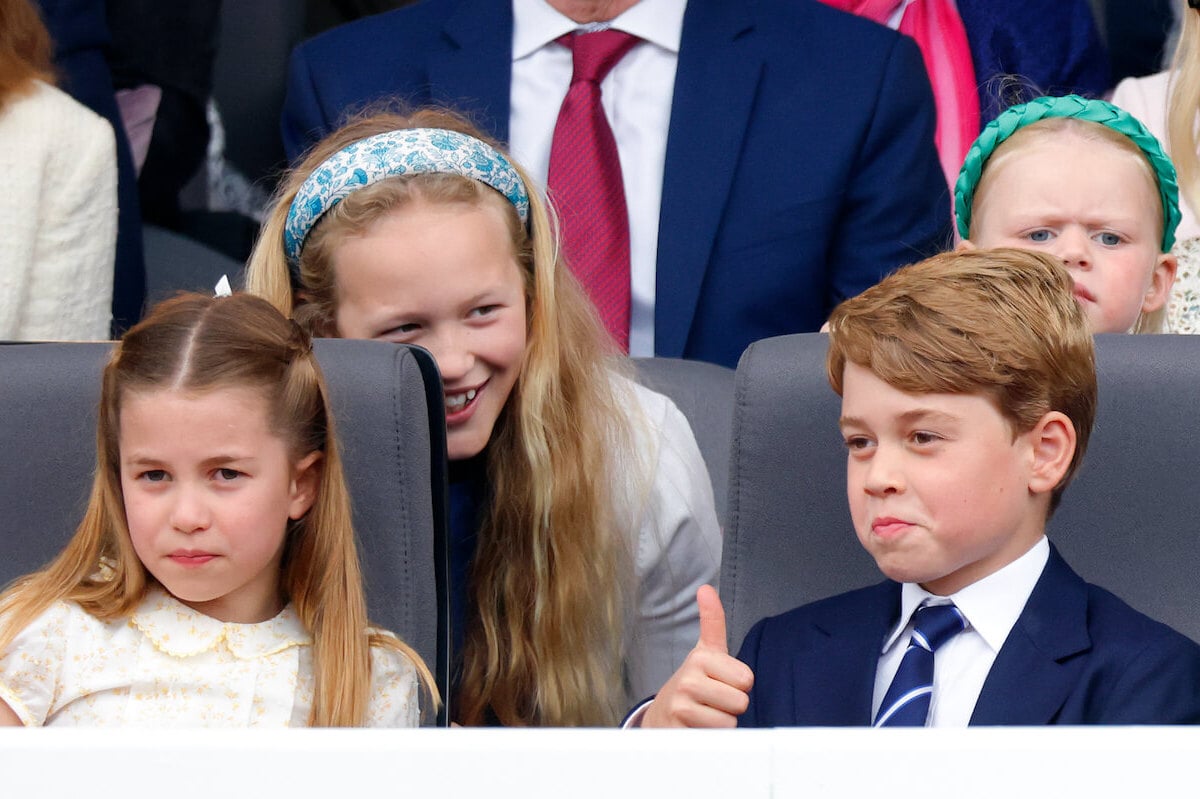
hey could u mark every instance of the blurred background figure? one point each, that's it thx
(58, 210)
(1139, 34)
(983, 56)
(79, 34)
(321, 15)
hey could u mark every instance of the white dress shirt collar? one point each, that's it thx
(536, 24)
(991, 605)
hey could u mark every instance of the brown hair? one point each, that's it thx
(549, 577)
(25, 49)
(1053, 127)
(197, 343)
(1002, 323)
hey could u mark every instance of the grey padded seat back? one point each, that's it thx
(176, 263)
(1128, 521)
(394, 460)
(789, 539)
(704, 393)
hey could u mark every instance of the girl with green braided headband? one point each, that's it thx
(1084, 181)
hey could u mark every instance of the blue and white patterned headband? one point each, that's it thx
(399, 152)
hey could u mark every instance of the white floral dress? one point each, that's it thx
(169, 666)
(1183, 310)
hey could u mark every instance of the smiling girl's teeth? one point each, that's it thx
(455, 402)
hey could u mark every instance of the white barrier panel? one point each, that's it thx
(1014, 763)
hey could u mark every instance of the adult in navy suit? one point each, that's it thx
(1077, 655)
(799, 164)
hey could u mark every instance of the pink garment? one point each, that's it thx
(139, 109)
(938, 31)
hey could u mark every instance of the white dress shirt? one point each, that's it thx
(961, 665)
(636, 96)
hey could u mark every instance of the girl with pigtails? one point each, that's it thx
(214, 580)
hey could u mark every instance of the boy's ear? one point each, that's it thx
(1053, 446)
(965, 245)
(306, 479)
(1161, 280)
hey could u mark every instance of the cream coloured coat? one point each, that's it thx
(58, 218)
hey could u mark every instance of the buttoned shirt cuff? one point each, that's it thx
(633, 719)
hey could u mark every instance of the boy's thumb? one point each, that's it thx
(712, 620)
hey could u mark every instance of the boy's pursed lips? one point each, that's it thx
(889, 526)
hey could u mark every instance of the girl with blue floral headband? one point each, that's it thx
(581, 513)
(1084, 181)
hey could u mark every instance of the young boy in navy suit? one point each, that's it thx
(968, 392)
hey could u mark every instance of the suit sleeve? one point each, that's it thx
(748, 654)
(1160, 685)
(897, 207)
(304, 121)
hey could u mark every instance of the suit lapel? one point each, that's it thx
(715, 86)
(839, 674)
(1036, 669)
(472, 72)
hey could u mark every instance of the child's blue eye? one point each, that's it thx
(1040, 235)
(1109, 239)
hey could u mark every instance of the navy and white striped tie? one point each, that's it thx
(906, 703)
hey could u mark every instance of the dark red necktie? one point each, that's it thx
(585, 181)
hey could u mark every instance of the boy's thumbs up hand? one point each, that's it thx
(711, 688)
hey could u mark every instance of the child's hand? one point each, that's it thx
(710, 688)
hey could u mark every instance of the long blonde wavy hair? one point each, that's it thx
(550, 578)
(199, 344)
(1183, 106)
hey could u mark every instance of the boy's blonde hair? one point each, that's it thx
(199, 344)
(1001, 323)
(549, 581)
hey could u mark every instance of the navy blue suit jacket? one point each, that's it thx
(1077, 655)
(800, 165)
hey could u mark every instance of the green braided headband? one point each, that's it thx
(1076, 107)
